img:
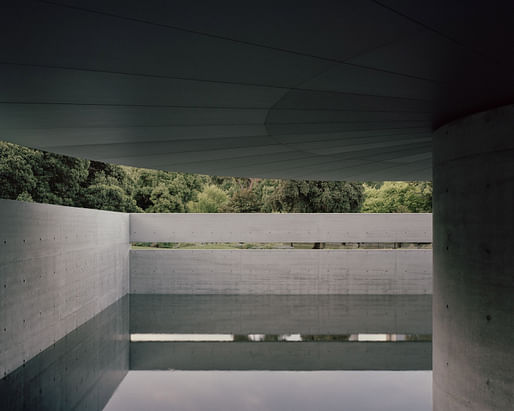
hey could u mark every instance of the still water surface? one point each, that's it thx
(274, 390)
(194, 352)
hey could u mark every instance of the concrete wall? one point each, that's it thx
(257, 227)
(59, 267)
(474, 263)
(281, 271)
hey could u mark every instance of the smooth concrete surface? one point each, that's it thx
(342, 90)
(474, 263)
(278, 271)
(59, 267)
(281, 314)
(78, 372)
(287, 227)
(298, 356)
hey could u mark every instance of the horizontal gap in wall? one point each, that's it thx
(360, 337)
(283, 246)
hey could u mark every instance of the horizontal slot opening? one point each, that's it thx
(277, 245)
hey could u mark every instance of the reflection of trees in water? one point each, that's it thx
(303, 338)
(265, 338)
(418, 337)
(241, 338)
(329, 338)
(326, 338)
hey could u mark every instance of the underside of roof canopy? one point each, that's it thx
(347, 90)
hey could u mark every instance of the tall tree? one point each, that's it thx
(305, 196)
(264, 190)
(166, 199)
(108, 197)
(109, 187)
(162, 191)
(16, 171)
(211, 200)
(244, 201)
(399, 197)
(43, 177)
(62, 179)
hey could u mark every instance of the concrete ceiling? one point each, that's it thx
(300, 89)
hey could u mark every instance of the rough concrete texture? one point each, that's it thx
(474, 263)
(281, 271)
(59, 267)
(79, 372)
(281, 314)
(281, 356)
(293, 227)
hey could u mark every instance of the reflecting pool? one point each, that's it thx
(247, 352)
(274, 390)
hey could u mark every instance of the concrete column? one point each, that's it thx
(473, 305)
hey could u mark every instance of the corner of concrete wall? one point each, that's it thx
(59, 267)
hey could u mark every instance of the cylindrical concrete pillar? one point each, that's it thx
(473, 304)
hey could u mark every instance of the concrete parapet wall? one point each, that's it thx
(59, 267)
(256, 227)
(281, 271)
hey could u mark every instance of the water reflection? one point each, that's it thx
(277, 390)
(281, 356)
(331, 332)
(80, 371)
(282, 352)
(277, 338)
(281, 314)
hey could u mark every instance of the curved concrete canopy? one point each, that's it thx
(324, 90)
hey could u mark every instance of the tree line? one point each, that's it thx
(32, 175)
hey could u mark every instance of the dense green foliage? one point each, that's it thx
(107, 187)
(164, 192)
(33, 175)
(398, 197)
(211, 200)
(317, 197)
(37, 176)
